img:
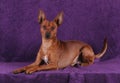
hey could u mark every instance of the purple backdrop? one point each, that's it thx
(87, 20)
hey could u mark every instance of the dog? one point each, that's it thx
(57, 54)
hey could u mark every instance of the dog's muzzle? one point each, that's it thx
(47, 35)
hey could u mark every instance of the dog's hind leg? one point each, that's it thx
(86, 56)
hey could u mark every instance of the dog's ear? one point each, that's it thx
(59, 19)
(41, 16)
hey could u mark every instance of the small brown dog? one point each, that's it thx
(59, 54)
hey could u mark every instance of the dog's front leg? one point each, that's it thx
(23, 69)
(41, 67)
(20, 70)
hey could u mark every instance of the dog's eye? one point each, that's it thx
(44, 27)
(52, 28)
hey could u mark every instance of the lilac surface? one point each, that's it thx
(100, 72)
(89, 21)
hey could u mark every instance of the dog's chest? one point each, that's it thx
(46, 55)
(45, 49)
(45, 58)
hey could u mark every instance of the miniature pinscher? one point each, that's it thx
(58, 54)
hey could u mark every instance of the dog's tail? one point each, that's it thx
(99, 55)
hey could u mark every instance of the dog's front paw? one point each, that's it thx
(18, 71)
(15, 71)
(30, 71)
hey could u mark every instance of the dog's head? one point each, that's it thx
(48, 28)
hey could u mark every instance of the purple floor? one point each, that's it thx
(100, 72)
(99, 67)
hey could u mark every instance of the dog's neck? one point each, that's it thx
(46, 43)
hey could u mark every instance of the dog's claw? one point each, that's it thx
(15, 72)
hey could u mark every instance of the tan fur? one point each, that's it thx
(59, 54)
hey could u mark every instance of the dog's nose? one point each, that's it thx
(47, 35)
